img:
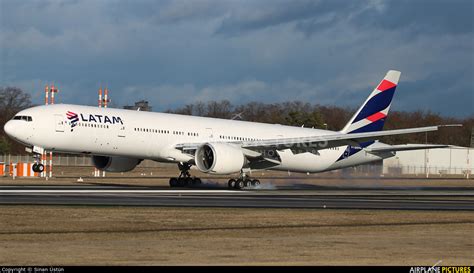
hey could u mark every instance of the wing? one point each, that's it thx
(313, 143)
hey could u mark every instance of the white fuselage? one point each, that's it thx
(150, 135)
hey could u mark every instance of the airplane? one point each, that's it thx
(118, 139)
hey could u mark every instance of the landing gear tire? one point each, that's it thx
(188, 181)
(184, 181)
(181, 182)
(173, 182)
(247, 182)
(255, 183)
(239, 184)
(38, 168)
(231, 183)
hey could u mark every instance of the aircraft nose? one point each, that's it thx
(8, 128)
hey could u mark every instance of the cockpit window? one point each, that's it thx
(25, 118)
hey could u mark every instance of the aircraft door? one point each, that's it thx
(59, 123)
(209, 133)
(121, 132)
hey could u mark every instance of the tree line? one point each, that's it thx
(294, 113)
(297, 113)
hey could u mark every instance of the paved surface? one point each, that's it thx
(428, 198)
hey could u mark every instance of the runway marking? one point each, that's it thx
(259, 196)
(121, 191)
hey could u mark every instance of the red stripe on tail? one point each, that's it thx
(385, 85)
(376, 116)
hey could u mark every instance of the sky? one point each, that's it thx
(173, 53)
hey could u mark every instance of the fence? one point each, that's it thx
(394, 166)
(434, 171)
(62, 160)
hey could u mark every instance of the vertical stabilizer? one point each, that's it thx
(371, 115)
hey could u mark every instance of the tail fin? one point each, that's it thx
(371, 115)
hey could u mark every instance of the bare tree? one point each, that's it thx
(219, 109)
(12, 100)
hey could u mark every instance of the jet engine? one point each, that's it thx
(115, 164)
(219, 158)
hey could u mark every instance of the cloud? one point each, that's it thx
(419, 17)
(174, 52)
(412, 17)
(266, 14)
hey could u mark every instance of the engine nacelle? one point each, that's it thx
(219, 158)
(114, 164)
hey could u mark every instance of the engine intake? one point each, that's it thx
(114, 164)
(219, 158)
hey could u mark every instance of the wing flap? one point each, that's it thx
(404, 147)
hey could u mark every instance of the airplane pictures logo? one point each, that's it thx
(73, 118)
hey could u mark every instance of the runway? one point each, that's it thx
(315, 198)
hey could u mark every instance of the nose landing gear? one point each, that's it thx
(37, 166)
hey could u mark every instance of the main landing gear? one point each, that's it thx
(243, 182)
(184, 179)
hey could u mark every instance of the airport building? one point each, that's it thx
(139, 105)
(472, 138)
(433, 162)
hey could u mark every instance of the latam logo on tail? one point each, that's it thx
(74, 118)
